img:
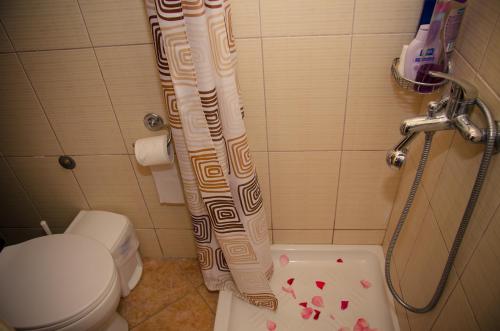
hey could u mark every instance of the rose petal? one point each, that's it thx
(284, 260)
(344, 328)
(317, 301)
(289, 290)
(306, 313)
(365, 283)
(332, 317)
(320, 284)
(290, 281)
(316, 314)
(271, 326)
(340, 261)
(362, 323)
(344, 304)
(303, 304)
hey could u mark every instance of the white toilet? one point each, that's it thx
(71, 281)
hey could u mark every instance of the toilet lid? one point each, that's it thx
(53, 279)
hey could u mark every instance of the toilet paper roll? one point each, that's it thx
(153, 151)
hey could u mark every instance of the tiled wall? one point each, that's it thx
(321, 109)
(472, 296)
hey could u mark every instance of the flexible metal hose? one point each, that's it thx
(491, 134)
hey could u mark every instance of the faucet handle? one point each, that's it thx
(469, 91)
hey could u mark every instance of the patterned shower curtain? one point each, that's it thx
(196, 56)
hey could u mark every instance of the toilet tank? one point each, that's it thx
(116, 232)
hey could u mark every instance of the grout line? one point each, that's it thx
(2, 25)
(265, 116)
(445, 303)
(146, 205)
(77, 48)
(23, 188)
(490, 38)
(339, 172)
(252, 151)
(476, 319)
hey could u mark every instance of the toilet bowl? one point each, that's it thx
(59, 282)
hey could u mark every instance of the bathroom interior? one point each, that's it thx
(312, 100)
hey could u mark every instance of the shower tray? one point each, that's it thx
(348, 278)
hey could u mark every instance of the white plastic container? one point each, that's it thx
(116, 232)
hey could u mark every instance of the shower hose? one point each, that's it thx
(491, 134)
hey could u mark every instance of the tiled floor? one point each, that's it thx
(170, 296)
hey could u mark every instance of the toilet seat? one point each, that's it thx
(53, 281)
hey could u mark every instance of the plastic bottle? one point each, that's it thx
(415, 54)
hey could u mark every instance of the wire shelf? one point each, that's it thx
(411, 85)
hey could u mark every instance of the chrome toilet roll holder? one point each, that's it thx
(154, 122)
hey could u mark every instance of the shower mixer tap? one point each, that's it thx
(451, 112)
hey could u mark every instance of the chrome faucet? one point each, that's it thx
(451, 112)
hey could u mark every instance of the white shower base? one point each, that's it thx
(308, 264)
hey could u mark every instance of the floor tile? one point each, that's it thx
(210, 297)
(162, 284)
(189, 313)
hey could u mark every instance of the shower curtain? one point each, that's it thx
(196, 57)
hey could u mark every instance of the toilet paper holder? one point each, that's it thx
(154, 122)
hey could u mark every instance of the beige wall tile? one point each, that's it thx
(262, 164)
(304, 189)
(358, 237)
(480, 279)
(302, 236)
(441, 143)
(305, 91)
(148, 243)
(251, 82)
(476, 29)
(5, 45)
(490, 68)
(366, 192)
(16, 209)
(415, 217)
(456, 314)
(109, 183)
(72, 91)
(53, 189)
(453, 190)
(245, 18)
(133, 83)
(37, 25)
(163, 215)
(299, 18)
(387, 16)
(24, 129)
(375, 104)
(116, 22)
(177, 243)
(423, 272)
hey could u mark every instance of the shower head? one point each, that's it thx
(397, 156)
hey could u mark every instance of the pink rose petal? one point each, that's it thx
(284, 260)
(317, 301)
(340, 261)
(332, 317)
(271, 326)
(344, 304)
(316, 314)
(320, 284)
(306, 313)
(289, 290)
(290, 281)
(365, 283)
(303, 304)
